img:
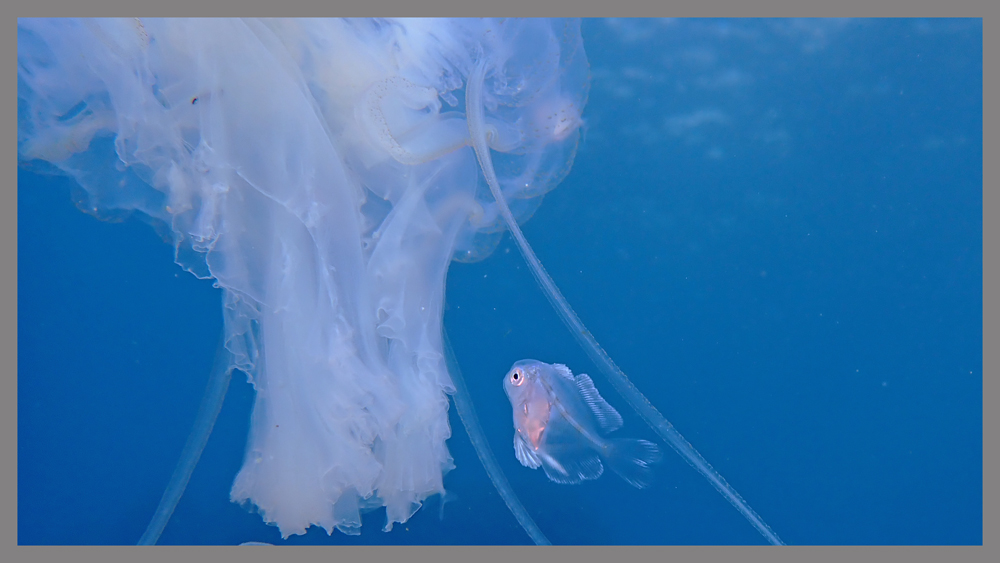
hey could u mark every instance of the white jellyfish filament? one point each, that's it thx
(208, 412)
(621, 383)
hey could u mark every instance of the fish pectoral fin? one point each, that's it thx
(524, 453)
(570, 468)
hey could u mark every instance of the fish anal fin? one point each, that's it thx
(572, 469)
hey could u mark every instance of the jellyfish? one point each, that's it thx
(324, 174)
(321, 173)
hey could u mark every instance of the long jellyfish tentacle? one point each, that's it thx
(208, 412)
(617, 378)
(467, 413)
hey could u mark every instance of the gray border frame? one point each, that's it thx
(593, 8)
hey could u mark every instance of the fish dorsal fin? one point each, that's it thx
(524, 453)
(564, 372)
(606, 415)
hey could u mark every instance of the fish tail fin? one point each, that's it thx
(631, 459)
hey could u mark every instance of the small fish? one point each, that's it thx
(560, 422)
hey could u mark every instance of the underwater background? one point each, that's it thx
(773, 226)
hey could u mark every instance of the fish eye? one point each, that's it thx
(516, 376)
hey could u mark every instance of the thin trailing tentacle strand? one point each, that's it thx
(208, 412)
(467, 413)
(617, 378)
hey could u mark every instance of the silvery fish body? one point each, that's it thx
(560, 424)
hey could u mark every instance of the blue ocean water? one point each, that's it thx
(774, 227)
